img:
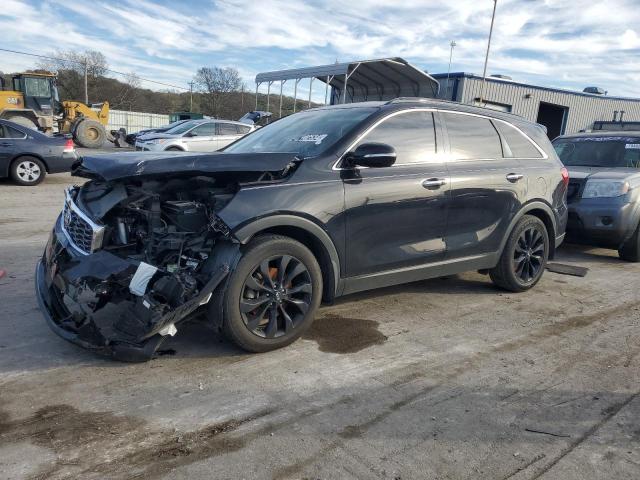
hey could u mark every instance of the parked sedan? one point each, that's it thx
(604, 190)
(195, 136)
(27, 155)
(319, 204)
(132, 137)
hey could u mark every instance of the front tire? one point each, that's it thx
(524, 257)
(28, 171)
(90, 134)
(272, 295)
(630, 251)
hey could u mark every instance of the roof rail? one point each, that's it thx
(409, 99)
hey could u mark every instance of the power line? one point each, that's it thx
(48, 57)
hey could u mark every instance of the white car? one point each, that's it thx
(195, 136)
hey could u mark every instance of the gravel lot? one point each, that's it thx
(446, 378)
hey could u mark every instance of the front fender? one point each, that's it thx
(246, 232)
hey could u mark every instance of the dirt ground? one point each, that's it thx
(441, 379)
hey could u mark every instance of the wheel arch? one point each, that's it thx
(310, 235)
(34, 155)
(542, 211)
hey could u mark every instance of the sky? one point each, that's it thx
(557, 43)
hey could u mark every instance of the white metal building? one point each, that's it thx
(561, 111)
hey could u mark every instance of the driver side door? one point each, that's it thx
(396, 216)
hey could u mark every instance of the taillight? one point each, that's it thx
(68, 146)
(565, 176)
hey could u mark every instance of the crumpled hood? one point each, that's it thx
(153, 134)
(137, 164)
(582, 173)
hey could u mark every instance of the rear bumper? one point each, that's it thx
(63, 163)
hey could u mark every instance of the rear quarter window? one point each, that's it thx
(520, 146)
(472, 137)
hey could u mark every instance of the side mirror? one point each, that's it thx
(190, 134)
(372, 155)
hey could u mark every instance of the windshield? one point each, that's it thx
(607, 152)
(305, 134)
(182, 128)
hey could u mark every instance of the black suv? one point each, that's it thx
(319, 204)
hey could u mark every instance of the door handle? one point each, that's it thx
(433, 183)
(514, 177)
(6, 144)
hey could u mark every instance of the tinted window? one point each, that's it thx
(206, 130)
(472, 137)
(227, 129)
(10, 132)
(612, 152)
(519, 145)
(307, 133)
(411, 134)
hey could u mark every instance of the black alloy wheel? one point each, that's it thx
(528, 256)
(276, 296)
(524, 256)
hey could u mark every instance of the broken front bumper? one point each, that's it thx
(86, 300)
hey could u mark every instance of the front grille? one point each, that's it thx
(85, 235)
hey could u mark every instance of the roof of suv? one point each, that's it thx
(432, 103)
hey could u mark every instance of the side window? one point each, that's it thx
(10, 132)
(227, 129)
(243, 130)
(412, 134)
(472, 137)
(206, 130)
(519, 145)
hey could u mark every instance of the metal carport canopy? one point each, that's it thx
(380, 79)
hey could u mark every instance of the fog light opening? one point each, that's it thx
(606, 221)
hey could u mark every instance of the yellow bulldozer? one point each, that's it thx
(33, 101)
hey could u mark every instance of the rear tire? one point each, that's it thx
(286, 297)
(524, 257)
(630, 251)
(23, 121)
(27, 171)
(90, 134)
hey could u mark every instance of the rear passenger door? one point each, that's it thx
(8, 147)
(227, 133)
(487, 187)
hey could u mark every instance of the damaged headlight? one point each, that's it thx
(605, 189)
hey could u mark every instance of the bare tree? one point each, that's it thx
(127, 95)
(71, 66)
(216, 84)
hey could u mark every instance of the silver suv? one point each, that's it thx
(195, 136)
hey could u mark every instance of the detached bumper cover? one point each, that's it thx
(85, 300)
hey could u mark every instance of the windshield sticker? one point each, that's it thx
(317, 139)
(632, 146)
(603, 139)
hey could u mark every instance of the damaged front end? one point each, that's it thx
(130, 258)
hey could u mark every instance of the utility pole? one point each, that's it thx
(86, 82)
(191, 96)
(452, 45)
(486, 58)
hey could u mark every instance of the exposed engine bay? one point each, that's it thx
(132, 257)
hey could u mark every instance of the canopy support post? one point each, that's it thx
(280, 110)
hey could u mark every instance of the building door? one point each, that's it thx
(554, 117)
